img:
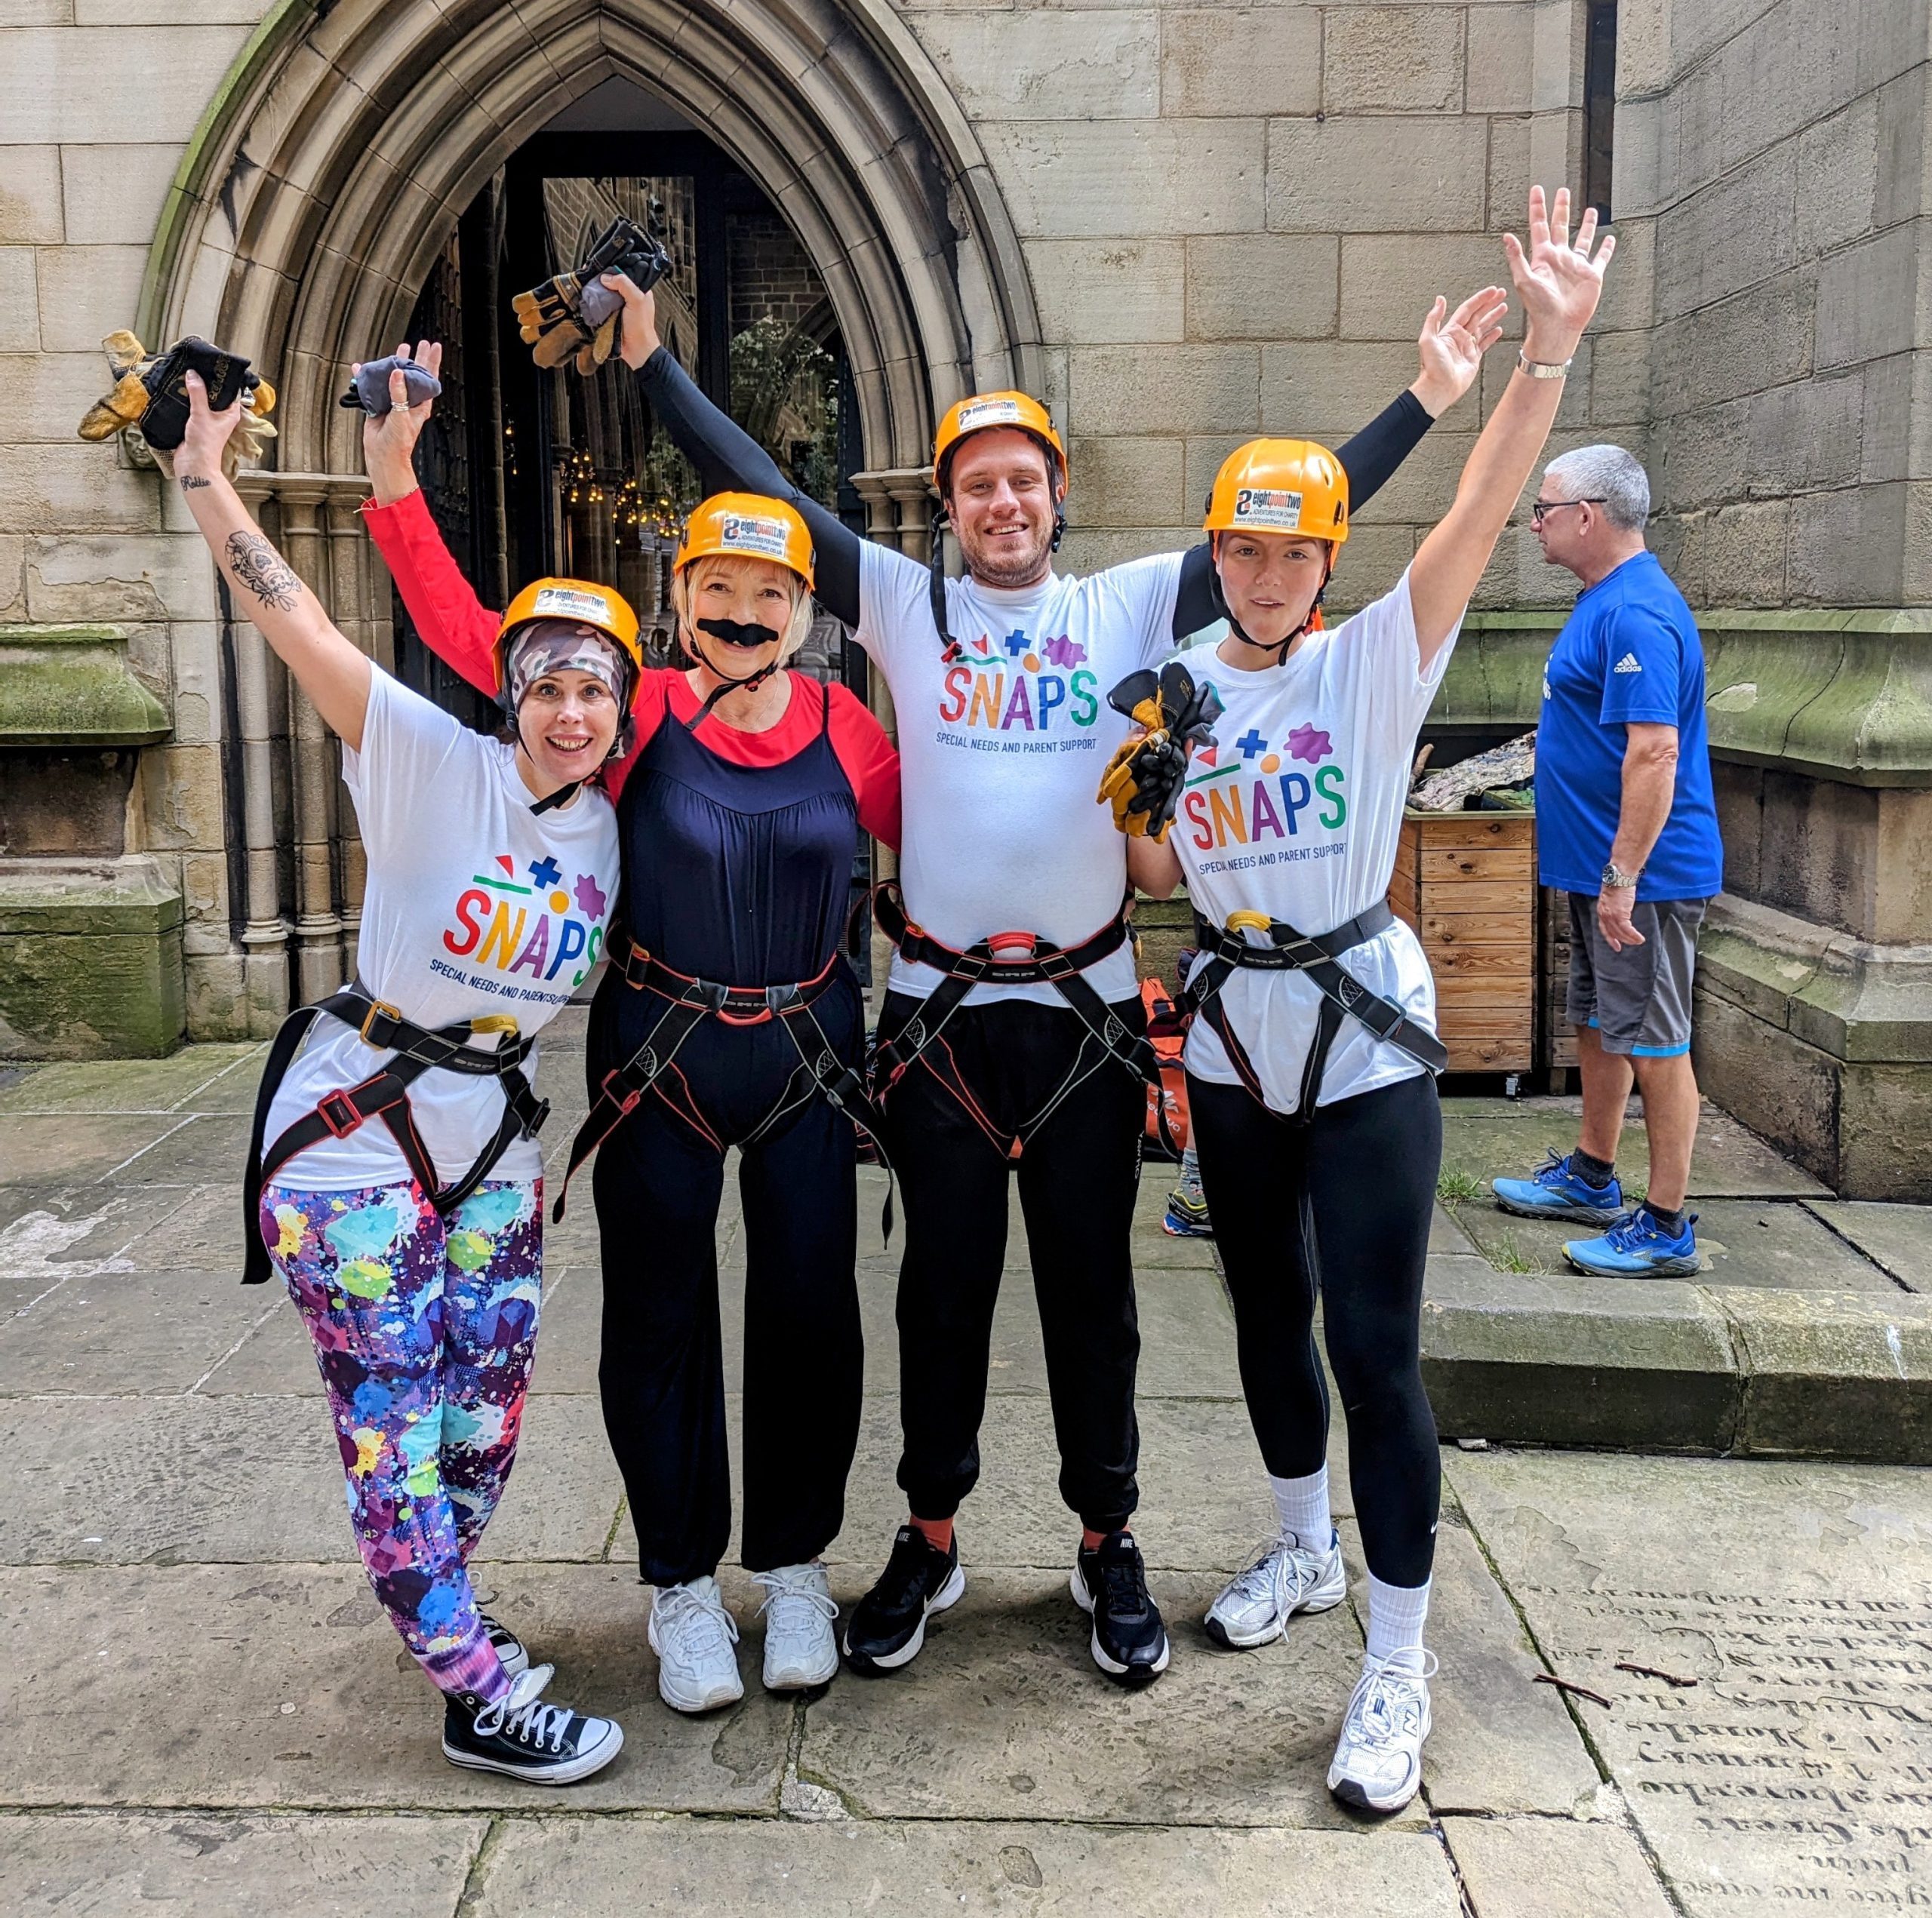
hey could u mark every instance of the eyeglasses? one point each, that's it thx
(1541, 509)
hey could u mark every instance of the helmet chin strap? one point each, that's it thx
(727, 685)
(1222, 606)
(564, 794)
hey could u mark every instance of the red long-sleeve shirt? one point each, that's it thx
(458, 628)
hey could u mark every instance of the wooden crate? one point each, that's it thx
(1556, 1039)
(1466, 882)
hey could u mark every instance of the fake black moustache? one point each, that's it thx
(748, 633)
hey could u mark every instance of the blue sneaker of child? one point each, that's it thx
(1638, 1247)
(1554, 1191)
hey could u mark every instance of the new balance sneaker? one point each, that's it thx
(692, 1635)
(1255, 1606)
(1185, 1218)
(888, 1624)
(800, 1648)
(1110, 1584)
(1555, 1191)
(1378, 1758)
(510, 1649)
(524, 1738)
(1638, 1247)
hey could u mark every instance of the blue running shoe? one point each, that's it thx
(1637, 1247)
(1186, 1219)
(1554, 1191)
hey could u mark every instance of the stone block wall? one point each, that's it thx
(1777, 149)
(1235, 218)
(772, 274)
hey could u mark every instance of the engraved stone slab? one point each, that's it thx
(1799, 1597)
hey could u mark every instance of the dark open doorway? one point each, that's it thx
(529, 473)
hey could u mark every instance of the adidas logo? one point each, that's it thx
(1627, 664)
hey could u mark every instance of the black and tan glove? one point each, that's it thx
(151, 393)
(575, 312)
(1143, 780)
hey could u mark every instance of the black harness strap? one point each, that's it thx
(1012, 958)
(689, 1002)
(385, 1095)
(1343, 995)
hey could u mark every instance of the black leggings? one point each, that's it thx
(1338, 1208)
(1076, 1179)
(658, 1186)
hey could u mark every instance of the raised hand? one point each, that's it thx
(197, 460)
(638, 332)
(1452, 345)
(1558, 284)
(388, 439)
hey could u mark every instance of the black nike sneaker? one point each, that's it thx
(522, 1738)
(888, 1624)
(1110, 1584)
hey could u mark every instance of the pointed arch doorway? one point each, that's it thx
(328, 177)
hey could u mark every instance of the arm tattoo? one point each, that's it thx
(262, 570)
(189, 481)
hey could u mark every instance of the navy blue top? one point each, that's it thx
(1629, 652)
(738, 874)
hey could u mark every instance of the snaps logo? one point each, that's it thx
(565, 603)
(1009, 686)
(752, 533)
(1242, 796)
(1268, 506)
(989, 412)
(554, 929)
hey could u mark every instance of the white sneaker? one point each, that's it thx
(1255, 1605)
(1378, 1758)
(692, 1635)
(801, 1648)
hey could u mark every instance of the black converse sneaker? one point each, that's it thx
(888, 1624)
(1110, 1582)
(510, 1649)
(524, 1738)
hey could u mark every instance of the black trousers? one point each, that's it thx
(1338, 1209)
(658, 1186)
(1078, 1175)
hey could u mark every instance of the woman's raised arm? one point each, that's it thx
(329, 669)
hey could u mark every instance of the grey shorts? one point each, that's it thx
(1639, 999)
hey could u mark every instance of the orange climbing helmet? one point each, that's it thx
(748, 525)
(1280, 486)
(583, 601)
(1019, 410)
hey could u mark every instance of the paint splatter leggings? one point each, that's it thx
(425, 1332)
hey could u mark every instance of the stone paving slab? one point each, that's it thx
(229, 1867)
(1899, 1238)
(129, 1332)
(1798, 1597)
(1005, 1710)
(206, 1149)
(194, 1080)
(236, 1480)
(612, 1868)
(71, 1148)
(108, 1702)
(1482, 1140)
(1527, 1867)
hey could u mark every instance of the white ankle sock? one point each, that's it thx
(1303, 1505)
(1395, 1616)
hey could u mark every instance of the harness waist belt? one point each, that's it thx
(385, 1095)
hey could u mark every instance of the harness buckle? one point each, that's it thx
(781, 998)
(494, 1022)
(1012, 948)
(392, 1013)
(331, 1105)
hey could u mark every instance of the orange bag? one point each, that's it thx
(1167, 1109)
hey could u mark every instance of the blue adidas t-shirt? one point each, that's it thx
(1630, 651)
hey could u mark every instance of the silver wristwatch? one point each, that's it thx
(1542, 369)
(1616, 880)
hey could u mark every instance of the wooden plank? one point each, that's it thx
(1437, 928)
(1457, 995)
(1504, 898)
(1479, 961)
(1491, 1055)
(1434, 829)
(1449, 866)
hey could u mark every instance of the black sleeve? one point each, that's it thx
(1368, 460)
(729, 459)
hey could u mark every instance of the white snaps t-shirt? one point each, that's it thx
(1001, 752)
(474, 904)
(1295, 810)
